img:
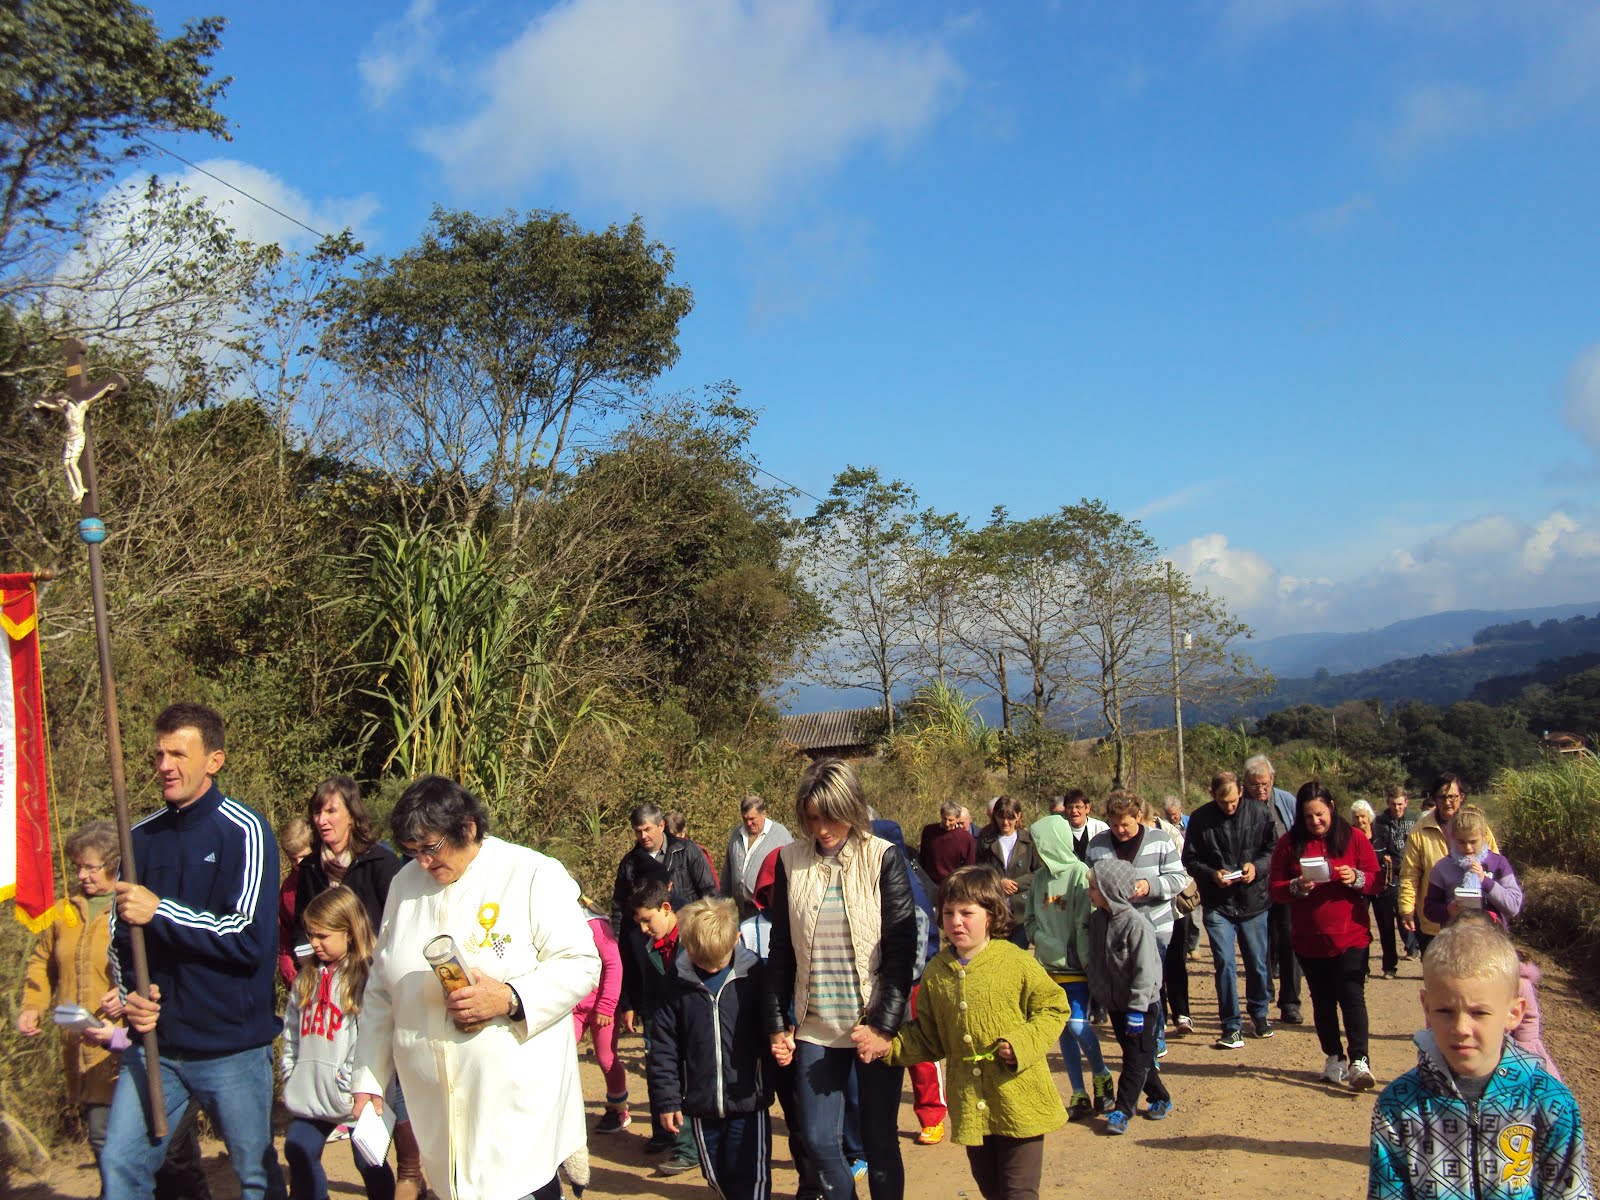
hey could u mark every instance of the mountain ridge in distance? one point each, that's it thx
(1296, 655)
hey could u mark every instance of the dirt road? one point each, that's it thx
(1254, 1123)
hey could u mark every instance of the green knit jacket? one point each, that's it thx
(962, 1012)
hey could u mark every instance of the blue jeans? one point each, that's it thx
(1078, 1039)
(236, 1092)
(302, 1149)
(821, 1074)
(1251, 936)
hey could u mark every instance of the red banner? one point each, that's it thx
(27, 872)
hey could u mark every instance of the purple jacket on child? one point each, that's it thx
(1502, 894)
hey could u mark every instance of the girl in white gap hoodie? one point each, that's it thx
(319, 1043)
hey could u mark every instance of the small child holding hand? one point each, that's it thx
(707, 1050)
(992, 1013)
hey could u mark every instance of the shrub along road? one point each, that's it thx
(1253, 1122)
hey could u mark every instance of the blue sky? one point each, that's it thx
(1306, 285)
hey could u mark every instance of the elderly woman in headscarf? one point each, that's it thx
(490, 1070)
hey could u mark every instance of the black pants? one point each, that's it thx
(1007, 1168)
(1386, 911)
(183, 1175)
(1338, 988)
(1139, 1072)
(1175, 976)
(1284, 963)
(736, 1154)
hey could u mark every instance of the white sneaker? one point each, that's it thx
(1333, 1069)
(1360, 1075)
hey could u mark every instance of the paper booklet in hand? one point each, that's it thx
(372, 1134)
(76, 1018)
(1315, 870)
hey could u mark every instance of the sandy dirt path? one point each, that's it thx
(1255, 1123)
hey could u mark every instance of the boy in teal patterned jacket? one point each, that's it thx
(1477, 1118)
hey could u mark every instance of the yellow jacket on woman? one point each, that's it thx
(68, 966)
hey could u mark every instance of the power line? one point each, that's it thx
(293, 220)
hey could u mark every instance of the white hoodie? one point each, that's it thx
(319, 1049)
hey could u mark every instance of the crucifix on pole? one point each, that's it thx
(78, 460)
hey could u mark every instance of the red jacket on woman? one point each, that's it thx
(1332, 918)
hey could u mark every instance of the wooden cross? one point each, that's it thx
(74, 403)
(78, 458)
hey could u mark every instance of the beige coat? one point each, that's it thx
(1424, 848)
(68, 965)
(861, 862)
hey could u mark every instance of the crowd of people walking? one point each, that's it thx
(439, 982)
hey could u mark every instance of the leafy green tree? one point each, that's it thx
(679, 563)
(486, 347)
(1018, 580)
(83, 83)
(934, 582)
(859, 538)
(1121, 608)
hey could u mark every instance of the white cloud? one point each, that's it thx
(400, 51)
(1539, 552)
(714, 103)
(1490, 561)
(1581, 397)
(256, 222)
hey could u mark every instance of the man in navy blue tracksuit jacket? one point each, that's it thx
(208, 870)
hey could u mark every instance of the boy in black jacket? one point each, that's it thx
(709, 1050)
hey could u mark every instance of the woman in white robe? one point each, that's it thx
(490, 1072)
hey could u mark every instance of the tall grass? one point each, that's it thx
(1550, 815)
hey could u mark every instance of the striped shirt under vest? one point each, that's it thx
(834, 1005)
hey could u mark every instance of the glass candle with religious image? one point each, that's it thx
(444, 956)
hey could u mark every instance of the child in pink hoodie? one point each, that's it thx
(596, 1014)
(1527, 1034)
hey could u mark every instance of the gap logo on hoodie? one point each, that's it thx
(324, 1018)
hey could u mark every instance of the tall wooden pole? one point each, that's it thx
(1177, 684)
(92, 530)
(1005, 714)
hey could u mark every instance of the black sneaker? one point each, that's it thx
(1263, 1027)
(677, 1165)
(658, 1144)
(1289, 1014)
(1231, 1039)
(613, 1120)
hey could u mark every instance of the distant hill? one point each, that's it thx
(1512, 648)
(1444, 658)
(1303, 654)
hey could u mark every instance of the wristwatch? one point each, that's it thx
(515, 1014)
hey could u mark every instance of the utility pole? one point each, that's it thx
(1005, 714)
(1177, 686)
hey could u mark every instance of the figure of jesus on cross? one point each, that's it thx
(74, 404)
